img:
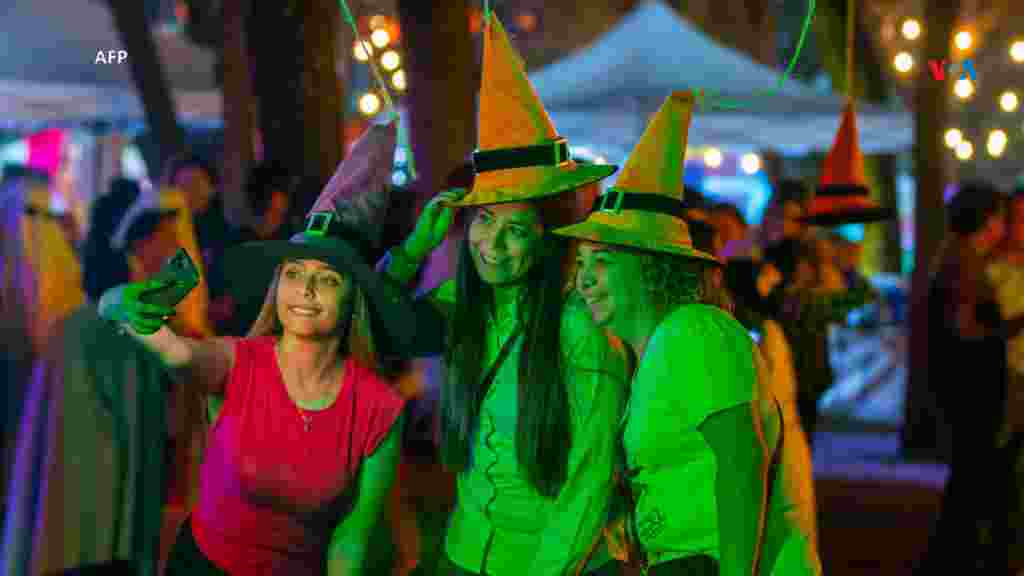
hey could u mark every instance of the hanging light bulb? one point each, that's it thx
(1008, 101)
(369, 104)
(713, 157)
(362, 50)
(911, 29)
(398, 80)
(996, 144)
(953, 137)
(390, 60)
(380, 38)
(750, 163)
(963, 40)
(1017, 51)
(399, 177)
(963, 88)
(903, 62)
(964, 150)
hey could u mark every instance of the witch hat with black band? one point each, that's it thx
(520, 155)
(340, 230)
(645, 208)
(842, 196)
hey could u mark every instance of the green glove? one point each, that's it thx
(432, 224)
(122, 304)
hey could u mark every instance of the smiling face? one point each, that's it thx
(503, 242)
(611, 282)
(312, 299)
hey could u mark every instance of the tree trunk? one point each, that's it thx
(442, 76)
(150, 81)
(921, 432)
(238, 112)
(300, 97)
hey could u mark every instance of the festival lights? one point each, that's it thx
(964, 150)
(963, 88)
(713, 157)
(369, 104)
(953, 137)
(963, 40)
(362, 50)
(380, 38)
(398, 80)
(996, 144)
(1017, 51)
(1009, 101)
(903, 62)
(390, 60)
(911, 29)
(750, 163)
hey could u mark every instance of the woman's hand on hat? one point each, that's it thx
(123, 304)
(432, 224)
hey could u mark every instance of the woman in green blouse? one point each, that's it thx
(534, 390)
(699, 431)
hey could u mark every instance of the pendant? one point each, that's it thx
(307, 422)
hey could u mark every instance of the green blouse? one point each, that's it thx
(699, 361)
(500, 523)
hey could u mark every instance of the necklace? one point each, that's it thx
(307, 419)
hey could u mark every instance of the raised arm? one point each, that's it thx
(208, 361)
(347, 552)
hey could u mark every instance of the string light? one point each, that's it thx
(750, 163)
(963, 39)
(713, 157)
(911, 29)
(398, 80)
(953, 137)
(1017, 51)
(996, 144)
(1008, 101)
(903, 62)
(964, 150)
(380, 38)
(963, 88)
(390, 60)
(362, 50)
(369, 104)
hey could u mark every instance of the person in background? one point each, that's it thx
(19, 299)
(805, 307)
(749, 283)
(782, 216)
(87, 493)
(737, 240)
(49, 251)
(968, 334)
(268, 190)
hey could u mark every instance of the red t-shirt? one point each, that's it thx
(271, 492)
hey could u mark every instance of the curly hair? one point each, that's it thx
(674, 281)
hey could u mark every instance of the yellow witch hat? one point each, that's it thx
(842, 196)
(645, 207)
(520, 156)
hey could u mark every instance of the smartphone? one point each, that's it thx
(182, 272)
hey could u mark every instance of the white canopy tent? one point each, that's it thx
(602, 95)
(49, 72)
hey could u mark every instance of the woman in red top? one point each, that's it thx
(302, 454)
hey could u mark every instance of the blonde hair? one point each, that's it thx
(356, 332)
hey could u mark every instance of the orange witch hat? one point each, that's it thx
(519, 155)
(842, 196)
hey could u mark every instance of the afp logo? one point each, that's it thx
(110, 57)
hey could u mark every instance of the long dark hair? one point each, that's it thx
(543, 421)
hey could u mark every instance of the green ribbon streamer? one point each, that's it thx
(727, 104)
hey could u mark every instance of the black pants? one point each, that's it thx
(186, 559)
